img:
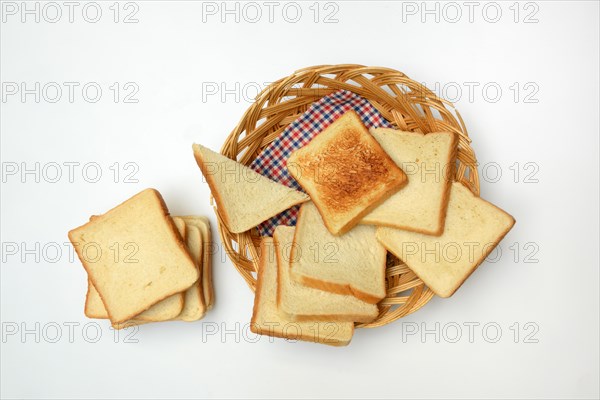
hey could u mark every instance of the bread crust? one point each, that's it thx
(448, 178)
(198, 285)
(203, 224)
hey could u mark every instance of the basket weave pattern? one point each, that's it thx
(407, 104)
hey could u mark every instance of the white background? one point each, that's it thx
(176, 55)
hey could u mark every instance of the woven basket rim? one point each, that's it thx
(405, 103)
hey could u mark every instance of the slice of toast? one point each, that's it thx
(203, 224)
(345, 172)
(266, 319)
(352, 263)
(164, 310)
(473, 229)
(194, 307)
(134, 256)
(428, 163)
(297, 302)
(244, 198)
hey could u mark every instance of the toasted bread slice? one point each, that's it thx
(152, 263)
(303, 303)
(194, 307)
(244, 198)
(345, 172)
(266, 319)
(353, 263)
(428, 162)
(473, 229)
(203, 224)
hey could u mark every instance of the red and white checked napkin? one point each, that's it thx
(272, 161)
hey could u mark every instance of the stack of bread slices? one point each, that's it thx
(367, 193)
(144, 265)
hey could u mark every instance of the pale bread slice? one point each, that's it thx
(159, 267)
(169, 308)
(244, 197)
(345, 172)
(194, 307)
(203, 224)
(473, 229)
(94, 308)
(188, 306)
(427, 161)
(303, 303)
(163, 310)
(266, 319)
(352, 263)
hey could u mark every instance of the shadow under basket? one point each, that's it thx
(405, 103)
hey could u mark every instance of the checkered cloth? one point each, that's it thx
(272, 161)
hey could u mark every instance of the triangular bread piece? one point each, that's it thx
(428, 161)
(244, 197)
(352, 263)
(266, 319)
(303, 303)
(473, 229)
(152, 265)
(345, 172)
(203, 224)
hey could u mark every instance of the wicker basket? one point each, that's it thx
(407, 104)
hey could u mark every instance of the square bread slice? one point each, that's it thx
(203, 224)
(353, 263)
(164, 310)
(134, 256)
(303, 303)
(169, 308)
(194, 307)
(266, 319)
(244, 198)
(428, 163)
(345, 172)
(473, 229)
